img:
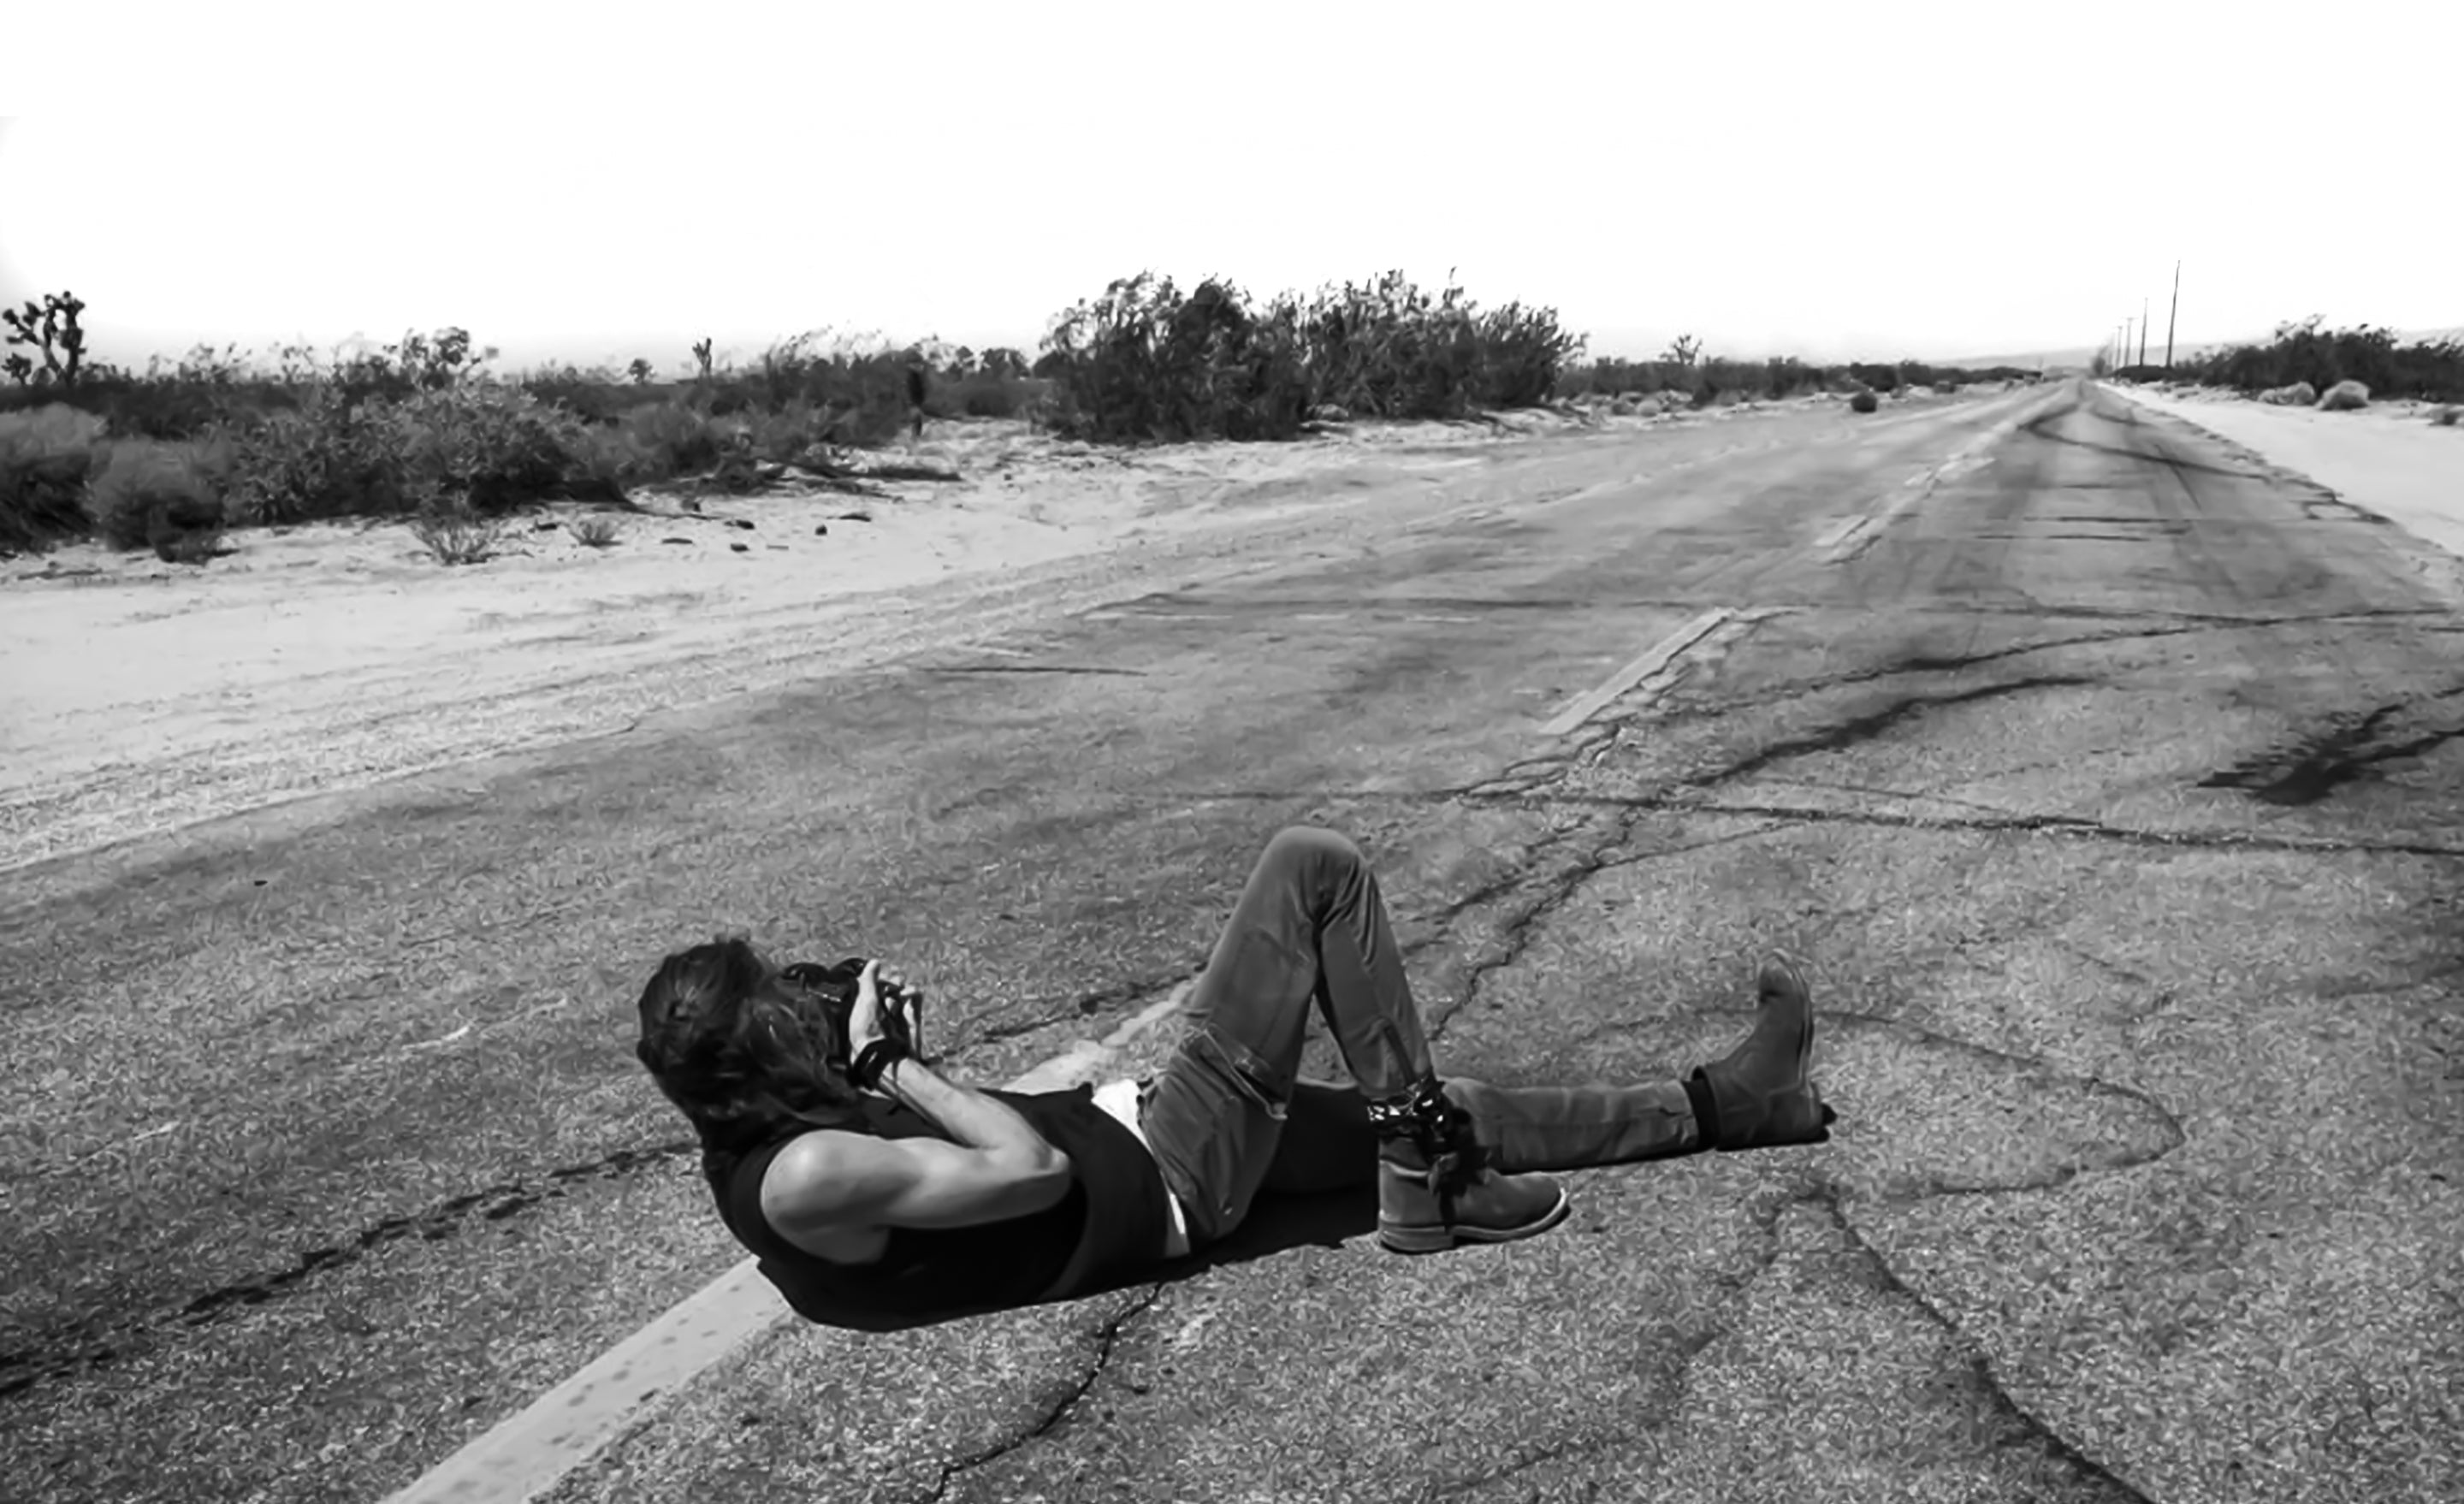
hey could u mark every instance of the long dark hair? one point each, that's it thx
(741, 1050)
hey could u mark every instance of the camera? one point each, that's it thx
(834, 989)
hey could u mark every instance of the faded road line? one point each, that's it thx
(1848, 540)
(1654, 658)
(527, 1453)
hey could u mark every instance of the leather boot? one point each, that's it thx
(1760, 1096)
(1435, 1188)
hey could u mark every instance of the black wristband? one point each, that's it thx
(873, 1059)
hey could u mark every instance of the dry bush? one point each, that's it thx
(987, 396)
(497, 445)
(45, 456)
(2306, 351)
(2301, 394)
(1148, 361)
(454, 532)
(2346, 396)
(162, 496)
(325, 458)
(671, 438)
(595, 531)
(1865, 402)
(2446, 416)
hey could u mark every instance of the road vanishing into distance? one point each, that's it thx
(2109, 783)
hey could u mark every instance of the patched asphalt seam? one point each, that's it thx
(1107, 1336)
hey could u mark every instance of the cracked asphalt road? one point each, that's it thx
(2113, 790)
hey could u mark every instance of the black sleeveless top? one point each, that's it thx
(1111, 1222)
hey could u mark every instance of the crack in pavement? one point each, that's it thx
(1873, 723)
(1030, 667)
(1088, 1006)
(96, 1345)
(1106, 1336)
(2055, 1445)
(1945, 663)
(2075, 826)
(2039, 1073)
(1514, 936)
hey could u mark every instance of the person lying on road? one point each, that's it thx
(867, 1183)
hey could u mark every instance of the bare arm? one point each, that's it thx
(1000, 1167)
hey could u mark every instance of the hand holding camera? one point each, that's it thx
(884, 1024)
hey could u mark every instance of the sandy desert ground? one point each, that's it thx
(2388, 458)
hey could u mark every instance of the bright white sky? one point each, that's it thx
(1854, 178)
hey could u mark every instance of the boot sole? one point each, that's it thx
(1427, 1239)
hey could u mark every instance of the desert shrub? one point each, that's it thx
(2297, 395)
(157, 408)
(861, 386)
(149, 493)
(788, 435)
(1775, 378)
(986, 396)
(327, 458)
(497, 445)
(607, 461)
(2346, 396)
(1518, 352)
(45, 457)
(2446, 416)
(672, 438)
(1865, 402)
(596, 532)
(1391, 349)
(594, 396)
(1148, 361)
(2307, 353)
(456, 532)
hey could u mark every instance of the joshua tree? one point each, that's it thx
(639, 370)
(701, 354)
(1682, 350)
(50, 326)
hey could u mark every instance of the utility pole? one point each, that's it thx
(2125, 341)
(2169, 318)
(2143, 331)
